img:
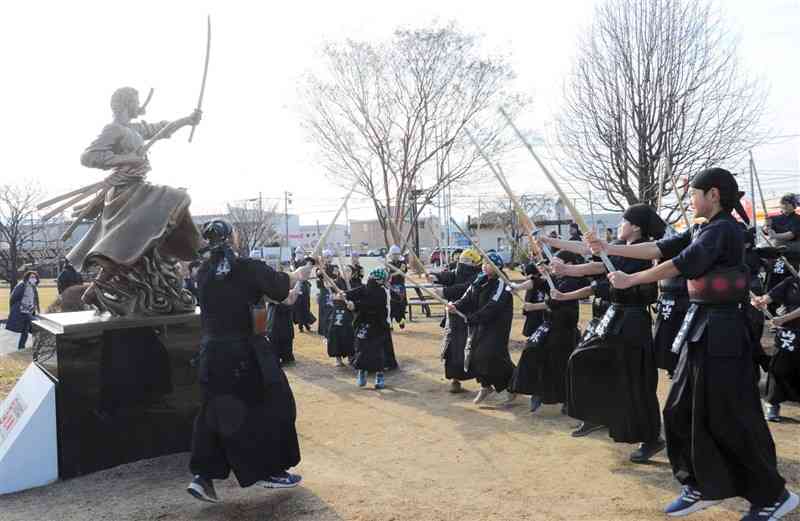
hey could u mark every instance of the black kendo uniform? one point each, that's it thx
(356, 275)
(246, 422)
(783, 381)
(779, 271)
(372, 330)
(534, 295)
(490, 310)
(455, 284)
(542, 366)
(340, 327)
(755, 317)
(325, 299)
(717, 438)
(673, 301)
(612, 374)
(280, 331)
(301, 310)
(397, 285)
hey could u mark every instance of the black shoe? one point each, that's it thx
(648, 450)
(203, 489)
(586, 428)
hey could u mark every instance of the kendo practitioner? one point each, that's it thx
(671, 307)
(246, 422)
(541, 369)
(455, 283)
(280, 329)
(340, 325)
(717, 438)
(397, 285)
(535, 293)
(755, 317)
(489, 309)
(783, 377)
(301, 310)
(324, 298)
(784, 232)
(370, 303)
(356, 270)
(612, 375)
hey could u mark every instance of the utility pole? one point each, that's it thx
(753, 204)
(414, 195)
(286, 203)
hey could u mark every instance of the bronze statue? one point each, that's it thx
(140, 230)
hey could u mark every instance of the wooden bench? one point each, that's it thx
(421, 302)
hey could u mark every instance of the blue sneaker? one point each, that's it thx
(787, 502)
(379, 382)
(689, 502)
(536, 402)
(361, 378)
(281, 480)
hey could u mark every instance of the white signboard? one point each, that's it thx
(28, 444)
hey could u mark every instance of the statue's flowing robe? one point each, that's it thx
(136, 216)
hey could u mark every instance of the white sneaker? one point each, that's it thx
(482, 395)
(339, 362)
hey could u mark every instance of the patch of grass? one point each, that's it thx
(10, 371)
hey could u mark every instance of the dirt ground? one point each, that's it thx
(409, 452)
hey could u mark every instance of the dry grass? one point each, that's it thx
(10, 370)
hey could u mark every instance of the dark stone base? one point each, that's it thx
(126, 389)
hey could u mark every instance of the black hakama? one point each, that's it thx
(372, 332)
(783, 377)
(717, 438)
(280, 331)
(673, 301)
(301, 309)
(490, 311)
(340, 331)
(455, 283)
(612, 374)
(541, 370)
(246, 422)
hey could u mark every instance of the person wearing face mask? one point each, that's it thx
(23, 306)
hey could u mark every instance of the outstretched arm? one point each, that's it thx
(622, 280)
(578, 294)
(573, 246)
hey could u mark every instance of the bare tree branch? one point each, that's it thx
(392, 115)
(18, 225)
(655, 79)
(255, 227)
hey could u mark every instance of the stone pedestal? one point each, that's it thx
(126, 389)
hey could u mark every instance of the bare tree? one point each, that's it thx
(255, 227)
(18, 226)
(655, 79)
(392, 116)
(502, 215)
